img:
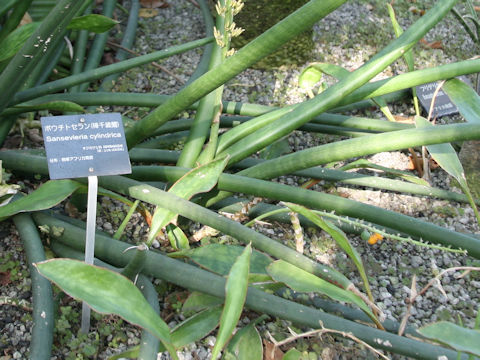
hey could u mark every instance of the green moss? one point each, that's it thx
(473, 181)
(87, 346)
(444, 315)
(446, 211)
(257, 16)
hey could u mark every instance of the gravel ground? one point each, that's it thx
(346, 37)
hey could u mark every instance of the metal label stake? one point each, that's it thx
(90, 240)
(87, 145)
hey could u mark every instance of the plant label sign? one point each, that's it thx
(85, 145)
(443, 106)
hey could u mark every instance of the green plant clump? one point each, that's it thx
(189, 198)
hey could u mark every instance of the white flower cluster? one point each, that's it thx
(228, 9)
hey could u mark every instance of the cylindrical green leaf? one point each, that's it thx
(372, 144)
(104, 71)
(19, 68)
(312, 199)
(195, 278)
(42, 294)
(334, 94)
(288, 28)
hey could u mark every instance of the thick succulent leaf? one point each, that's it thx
(278, 148)
(93, 22)
(106, 292)
(46, 196)
(457, 337)
(198, 180)
(302, 281)
(131, 353)
(38, 11)
(258, 278)
(59, 105)
(196, 327)
(292, 354)
(15, 40)
(362, 163)
(340, 73)
(7, 192)
(220, 258)
(309, 77)
(235, 295)
(465, 98)
(333, 70)
(177, 237)
(408, 56)
(6, 5)
(444, 154)
(338, 235)
(198, 301)
(382, 104)
(246, 344)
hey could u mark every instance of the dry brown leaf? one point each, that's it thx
(411, 164)
(27, 19)
(154, 4)
(270, 352)
(5, 278)
(147, 13)
(404, 119)
(146, 215)
(109, 58)
(439, 286)
(416, 11)
(413, 289)
(71, 209)
(415, 162)
(432, 45)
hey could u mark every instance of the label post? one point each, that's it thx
(90, 240)
(86, 146)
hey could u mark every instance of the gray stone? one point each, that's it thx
(416, 261)
(475, 284)
(107, 226)
(470, 158)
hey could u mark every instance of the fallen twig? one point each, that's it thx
(320, 332)
(433, 281)
(154, 64)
